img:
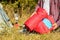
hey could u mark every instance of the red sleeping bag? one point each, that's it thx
(35, 23)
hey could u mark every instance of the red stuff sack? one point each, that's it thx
(33, 21)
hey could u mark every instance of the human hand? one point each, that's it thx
(54, 25)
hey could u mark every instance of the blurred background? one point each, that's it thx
(24, 8)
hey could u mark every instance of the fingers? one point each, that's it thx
(33, 13)
(55, 26)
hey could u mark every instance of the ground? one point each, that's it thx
(15, 35)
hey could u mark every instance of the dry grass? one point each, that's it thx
(13, 34)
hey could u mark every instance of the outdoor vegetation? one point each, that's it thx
(24, 8)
